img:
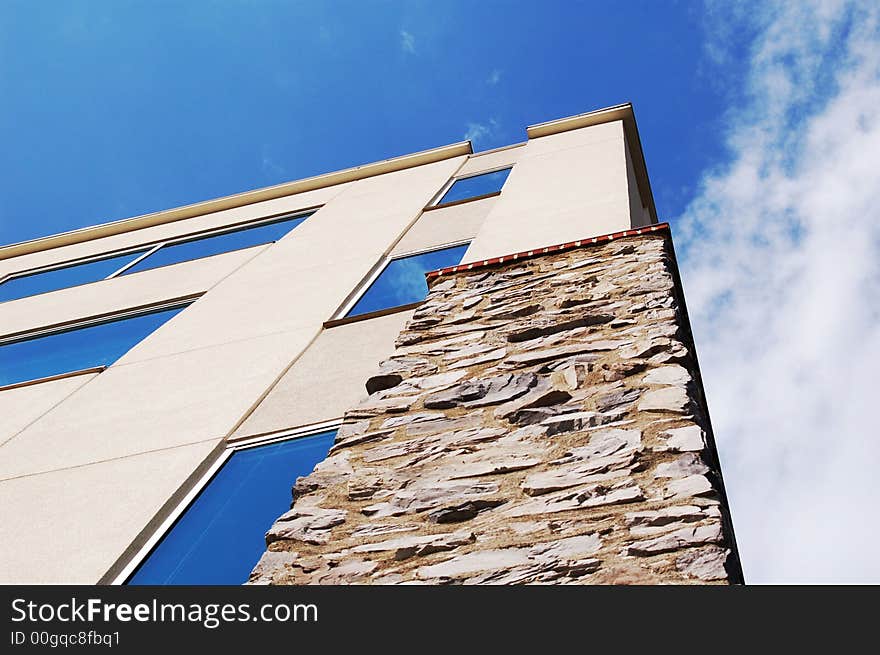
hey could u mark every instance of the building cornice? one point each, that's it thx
(238, 200)
(622, 113)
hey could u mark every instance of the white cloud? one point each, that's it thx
(271, 168)
(407, 42)
(494, 77)
(476, 131)
(780, 257)
(481, 131)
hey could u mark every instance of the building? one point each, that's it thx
(167, 378)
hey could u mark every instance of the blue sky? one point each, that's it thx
(760, 123)
(114, 109)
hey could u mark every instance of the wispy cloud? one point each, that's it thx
(478, 132)
(781, 266)
(407, 42)
(271, 168)
(494, 77)
(475, 131)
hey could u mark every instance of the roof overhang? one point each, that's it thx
(622, 113)
(237, 200)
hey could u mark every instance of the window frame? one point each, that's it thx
(203, 480)
(77, 324)
(151, 247)
(340, 317)
(76, 262)
(435, 201)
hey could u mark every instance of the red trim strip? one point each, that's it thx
(571, 245)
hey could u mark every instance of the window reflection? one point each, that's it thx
(220, 537)
(78, 348)
(214, 245)
(171, 253)
(61, 278)
(475, 186)
(402, 281)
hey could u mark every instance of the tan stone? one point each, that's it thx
(530, 412)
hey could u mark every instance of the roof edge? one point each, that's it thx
(623, 113)
(237, 200)
(539, 252)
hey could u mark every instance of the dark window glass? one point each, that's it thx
(76, 349)
(403, 280)
(216, 244)
(220, 537)
(478, 185)
(61, 278)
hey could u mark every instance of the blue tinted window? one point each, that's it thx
(220, 537)
(403, 280)
(216, 244)
(61, 278)
(478, 185)
(76, 349)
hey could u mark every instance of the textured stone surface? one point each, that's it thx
(540, 422)
(688, 438)
(703, 563)
(669, 399)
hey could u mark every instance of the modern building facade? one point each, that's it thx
(164, 380)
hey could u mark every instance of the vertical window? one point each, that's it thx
(221, 535)
(77, 348)
(66, 276)
(475, 186)
(402, 281)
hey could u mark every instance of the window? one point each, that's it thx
(78, 347)
(221, 535)
(475, 186)
(163, 254)
(173, 253)
(63, 277)
(402, 281)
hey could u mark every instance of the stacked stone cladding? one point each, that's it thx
(541, 421)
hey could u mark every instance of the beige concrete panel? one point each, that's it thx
(329, 378)
(21, 406)
(184, 227)
(150, 405)
(445, 225)
(301, 280)
(575, 191)
(585, 136)
(489, 160)
(639, 212)
(124, 292)
(70, 526)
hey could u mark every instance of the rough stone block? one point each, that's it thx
(549, 409)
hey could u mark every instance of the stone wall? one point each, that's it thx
(541, 421)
